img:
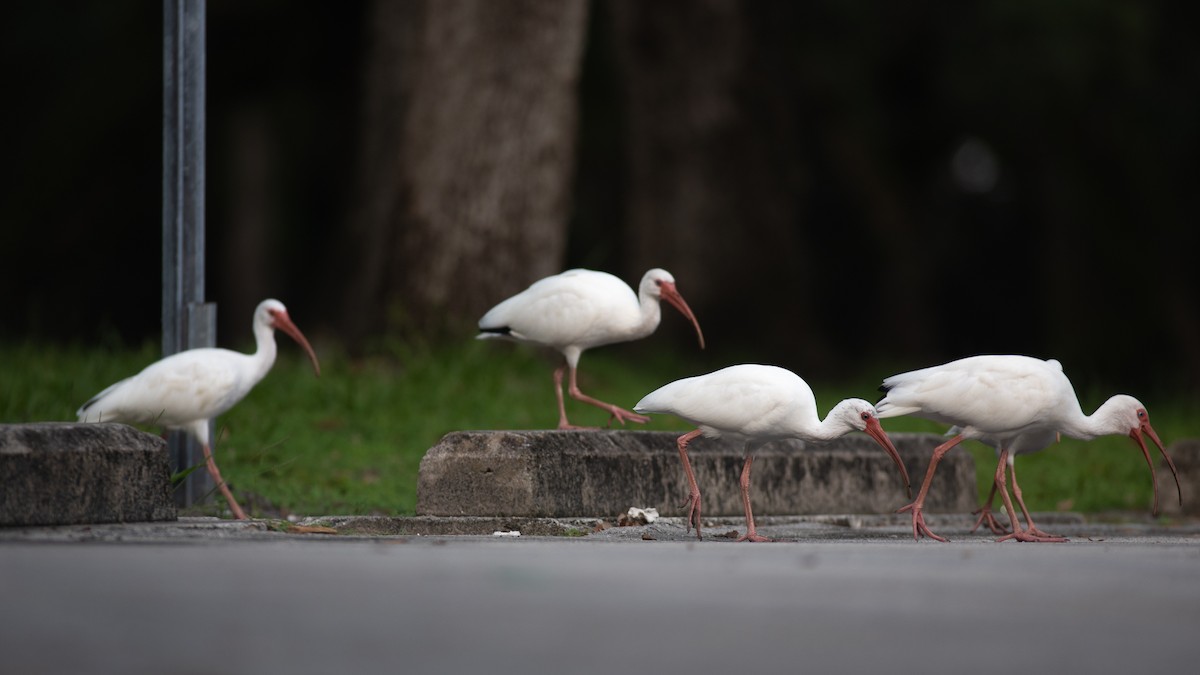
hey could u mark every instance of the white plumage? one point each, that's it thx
(187, 389)
(580, 309)
(1005, 400)
(756, 404)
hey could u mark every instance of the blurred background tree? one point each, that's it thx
(466, 152)
(834, 184)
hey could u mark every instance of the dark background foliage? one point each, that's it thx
(834, 184)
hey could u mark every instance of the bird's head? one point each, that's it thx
(659, 284)
(860, 415)
(1124, 414)
(272, 313)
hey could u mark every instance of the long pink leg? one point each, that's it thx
(620, 414)
(562, 409)
(918, 519)
(1033, 529)
(744, 483)
(216, 476)
(693, 501)
(985, 514)
(1017, 533)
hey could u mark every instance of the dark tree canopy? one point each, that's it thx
(832, 183)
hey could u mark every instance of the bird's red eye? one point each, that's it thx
(1141, 414)
(658, 282)
(866, 416)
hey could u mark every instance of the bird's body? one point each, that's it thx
(1007, 401)
(580, 309)
(993, 397)
(756, 404)
(187, 389)
(182, 391)
(573, 311)
(743, 402)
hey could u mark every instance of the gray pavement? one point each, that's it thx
(836, 594)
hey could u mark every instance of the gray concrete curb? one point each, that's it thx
(62, 473)
(563, 474)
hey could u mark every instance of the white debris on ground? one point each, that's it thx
(637, 516)
(506, 533)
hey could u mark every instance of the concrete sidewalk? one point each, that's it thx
(836, 594)
(784, 529)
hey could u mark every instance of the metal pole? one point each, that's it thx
(188, 322)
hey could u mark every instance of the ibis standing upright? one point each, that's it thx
(579, 309)
(1004, 400)
(187, 389)
(756, 404)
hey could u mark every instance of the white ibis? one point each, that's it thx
(579, 309)
(187, 389)
(1000, 399)
(757, 404)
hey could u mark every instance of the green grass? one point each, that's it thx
(350, 442)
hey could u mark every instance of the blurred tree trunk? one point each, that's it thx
(248, 273)
(466, 154)
(715, 181)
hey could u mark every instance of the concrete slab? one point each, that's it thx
(563, 474)
(66, 473)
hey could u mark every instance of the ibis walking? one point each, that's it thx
(579, 309)
(757, 404)
(187, 389)
(1005, 400)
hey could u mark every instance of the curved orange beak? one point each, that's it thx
(875, 430)
(284, 323)
(1136, 434)
(672, 296)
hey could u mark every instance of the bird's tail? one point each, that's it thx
(493, 333)
(885, 408)
(82, 413)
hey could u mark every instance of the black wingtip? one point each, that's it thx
(502, 330)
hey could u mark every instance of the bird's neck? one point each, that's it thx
(264, 354)
(650, 315)
(832, 427)
(1085, 427)
(828, 430)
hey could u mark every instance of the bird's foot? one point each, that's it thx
(1029, 535)
(565, 426)
(621, 414)
(754, 536)
(693, 512)
(1037, 532)
(918, 521)
(985, 516)
(234, 507)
